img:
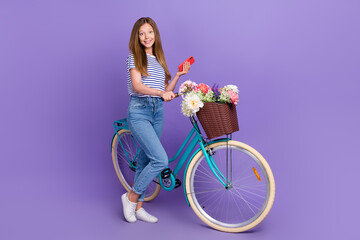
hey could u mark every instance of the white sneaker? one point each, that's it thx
(128, 208)
(143, 215)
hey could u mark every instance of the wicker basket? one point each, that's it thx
(218, 119)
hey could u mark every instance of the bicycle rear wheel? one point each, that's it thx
(250, 193)
(124, 171)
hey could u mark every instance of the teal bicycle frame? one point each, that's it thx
(194, 137)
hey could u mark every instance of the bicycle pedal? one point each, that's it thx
(166, 173)
(177, 183)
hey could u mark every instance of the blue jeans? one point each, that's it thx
(145, 118)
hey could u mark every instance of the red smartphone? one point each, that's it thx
(191, 60)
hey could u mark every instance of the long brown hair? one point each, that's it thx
(137, 49)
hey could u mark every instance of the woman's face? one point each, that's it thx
(147, 36)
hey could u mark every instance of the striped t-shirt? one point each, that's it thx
(156, 78)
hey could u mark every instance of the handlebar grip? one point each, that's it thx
(176, 95)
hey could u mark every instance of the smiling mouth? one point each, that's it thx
(147, 42)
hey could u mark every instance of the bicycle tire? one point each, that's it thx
(121, 164)
(246, 203)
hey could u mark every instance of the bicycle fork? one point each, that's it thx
(226, 181)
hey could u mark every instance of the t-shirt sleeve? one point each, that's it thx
(130, 62)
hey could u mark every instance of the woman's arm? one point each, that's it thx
(141, 88)
(171, 86)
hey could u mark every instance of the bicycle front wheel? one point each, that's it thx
(250, 190)
(124, 171)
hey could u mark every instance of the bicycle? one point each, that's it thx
(228, 184)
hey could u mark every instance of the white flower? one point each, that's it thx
(185, 110)
(231, 87)
(191, 104)
(194, 103)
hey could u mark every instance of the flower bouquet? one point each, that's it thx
(215, 107)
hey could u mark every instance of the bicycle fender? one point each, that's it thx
(187, 165)
(122, 125)
(112, 141)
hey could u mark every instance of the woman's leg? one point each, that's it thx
(142, 162)
(157, 124)
(149, 141)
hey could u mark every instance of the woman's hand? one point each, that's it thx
(167, 96)
(172, 84)
(186, 69)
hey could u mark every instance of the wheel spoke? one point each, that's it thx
(247, 195)
(247, 202)
(207, 191)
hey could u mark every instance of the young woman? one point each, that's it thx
(148, 87)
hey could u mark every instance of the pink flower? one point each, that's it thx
(202, 88)
(187, 87)
(234, 97)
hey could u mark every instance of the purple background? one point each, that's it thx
(63, 82)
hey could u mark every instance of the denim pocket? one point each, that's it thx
(138, 103)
